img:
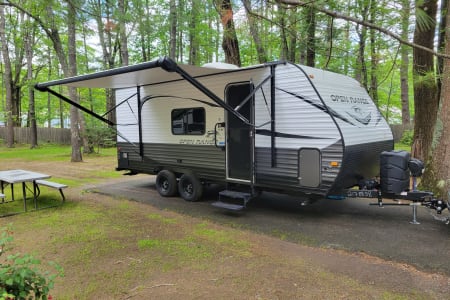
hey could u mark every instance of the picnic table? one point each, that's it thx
(11, 177)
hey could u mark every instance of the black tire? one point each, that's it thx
(190, 188)
(166, 183)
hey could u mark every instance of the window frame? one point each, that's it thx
(185, 123)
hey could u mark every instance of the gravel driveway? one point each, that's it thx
(350, 225)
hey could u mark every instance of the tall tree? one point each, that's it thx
(253, 27)
(426, 100)
(29, 43)
(404, 66)
(293, 33)
(440, 172)
(441, 40)
(17, 30)
(14, 32)
(49, 96)
(72, 71)
(230, 44)
(361, 73)
(67, 59)
(310, 36)
(373, 90)
(193, 37)
(122, 32)
(173, 29)
(283, 32)
(107, 38)
(7, 77)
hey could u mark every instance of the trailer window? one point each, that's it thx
(188, 121)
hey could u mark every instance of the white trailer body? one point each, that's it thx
(279, 127)
(326, 132)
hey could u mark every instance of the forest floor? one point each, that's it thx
(113, 248)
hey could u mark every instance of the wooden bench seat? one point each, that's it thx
(52, 184)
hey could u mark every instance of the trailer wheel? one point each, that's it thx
(166, 183)
(190, 188)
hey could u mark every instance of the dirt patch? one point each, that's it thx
(118, 249)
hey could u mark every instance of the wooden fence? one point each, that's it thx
(22, 135)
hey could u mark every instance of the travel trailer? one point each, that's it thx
(272, 127)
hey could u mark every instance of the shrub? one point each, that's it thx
(407, 137)
(19, 275)
(99, 136)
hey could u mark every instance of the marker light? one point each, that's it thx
(334, 164)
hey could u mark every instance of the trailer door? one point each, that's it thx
(239, 147)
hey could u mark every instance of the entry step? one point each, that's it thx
(235, 200)
(235, 195)
(229, 206)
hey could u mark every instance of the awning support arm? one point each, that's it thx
(77, 105)
(252, 93)
(170, 66)
(116, 106)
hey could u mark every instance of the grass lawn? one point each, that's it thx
(114, 248)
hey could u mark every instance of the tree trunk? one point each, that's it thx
(61, 111)
(173, 29)
(29, 42)
(438, 174)
(8, 80)
(373, 91)
(262, 55)
(441, 42)
(293, 32)
(426, 100)
(310, 39)
(330, 43)
(361, 73)
(404, 67)
(230, 43)
(18, 62)
(193, 39)
(347, 56)
(284, 52)
(49, 97)
(72, 71)
(16, 100)
(105, 31)
(123, 34)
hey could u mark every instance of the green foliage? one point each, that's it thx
(100, 136)
(424, 20)
(19, 275)
(199, 31)
(407, 137)
(426, 79)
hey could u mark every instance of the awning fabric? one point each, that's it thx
(147, 73)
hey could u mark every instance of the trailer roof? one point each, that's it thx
(147, 73)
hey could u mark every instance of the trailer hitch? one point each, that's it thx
(425, 199)
(415, 198)
(438, 205)
(395, 166)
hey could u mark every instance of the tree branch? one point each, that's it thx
(36, 18)
(339, 15)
